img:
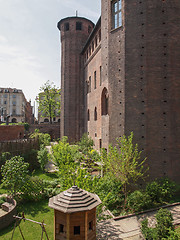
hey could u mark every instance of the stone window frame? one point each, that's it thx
(116, 9)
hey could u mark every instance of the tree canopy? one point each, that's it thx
(49, 101)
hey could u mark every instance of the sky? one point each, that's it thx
(30, 40)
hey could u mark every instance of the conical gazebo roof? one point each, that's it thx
(74, 200)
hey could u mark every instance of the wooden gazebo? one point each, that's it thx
(74, 214)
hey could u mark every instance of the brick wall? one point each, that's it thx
(9, 133)
(142, 61)
(52, 129)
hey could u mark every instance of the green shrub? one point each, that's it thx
(14, 173)
(32, 190)
(164, 223)
(160, 191)
(44, 138)
(164, 228)
(31, 158)
(138, 201)
(86, 144)
(3, 158)
(42, 156)
(63, 155)
(110, 192)
(168, 189)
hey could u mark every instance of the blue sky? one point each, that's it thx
(30, 40)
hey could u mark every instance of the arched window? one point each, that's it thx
(88, 115)
(14, 120)
(95, 114)
(104, 102)
(46, 120)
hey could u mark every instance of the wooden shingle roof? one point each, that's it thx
(74, 200)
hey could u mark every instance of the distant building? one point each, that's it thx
(44, 117)
(123, 75)
(14, 106)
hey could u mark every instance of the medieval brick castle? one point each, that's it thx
(123, 75)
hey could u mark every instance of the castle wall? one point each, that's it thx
(114, 43)
(97, 126)
(152, 68)
(142, 65)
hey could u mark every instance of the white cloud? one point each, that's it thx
(3, 39)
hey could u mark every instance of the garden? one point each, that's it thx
(114, 176)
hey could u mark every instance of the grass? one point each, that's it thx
(37, 211)
(45, 175)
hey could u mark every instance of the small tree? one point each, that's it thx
(49, 101)
(124, 162)
(14, 173)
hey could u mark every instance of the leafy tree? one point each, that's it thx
(14, 173)
(44, 138)
(124, 162)
(49, 101)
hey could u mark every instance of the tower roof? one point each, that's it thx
(74, 200)
(73, 18)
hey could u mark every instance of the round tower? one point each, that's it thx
(74, 34)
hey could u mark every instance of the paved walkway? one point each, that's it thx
(50, 167)
(128, 228)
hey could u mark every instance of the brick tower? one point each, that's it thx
(74, 34)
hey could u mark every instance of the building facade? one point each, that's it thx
(14, 106)
(130, 80)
